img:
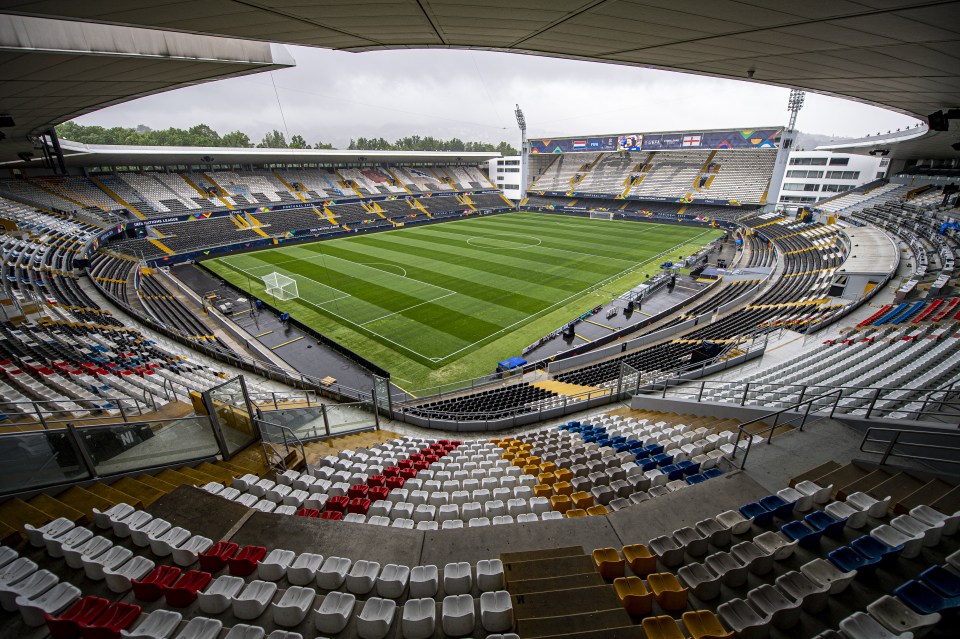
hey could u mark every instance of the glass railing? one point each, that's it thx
(314, 422)
(39, 458)
(120, 448)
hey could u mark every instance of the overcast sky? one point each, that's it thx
(333, 96)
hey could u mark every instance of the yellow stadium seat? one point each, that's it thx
(582, 499)
(563, 474)
(668, 591)
(599, 509)
(542, 490)
(642, 561)
(548, 467)
(546, 478)
(563, 488)
(561, 503)
(633, 595)
(609, 563)
(575, 512)
(663, 627)
(703, 624)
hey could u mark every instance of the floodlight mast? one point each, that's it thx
(787, 139)
(794, 104)
(522, 124)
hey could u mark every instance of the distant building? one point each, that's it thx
(817, 175)
(505, 173)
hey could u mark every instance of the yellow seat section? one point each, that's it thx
(668, 591)
(663, 627)
(633, 595)
(542, 490)
(609, 563)
(561, 503)
(531, 469)
(575, 512)
(582, 499)
(548, 467)
(563, 488)
(546, 478)
(563, 474)
(703, 624)
(642, 561)
(594, 511)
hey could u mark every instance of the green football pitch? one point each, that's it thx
(439, 303)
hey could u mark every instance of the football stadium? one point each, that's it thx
(664, 384)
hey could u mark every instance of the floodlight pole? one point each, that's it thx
(787, 139)
(522, 124)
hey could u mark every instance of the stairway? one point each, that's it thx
(558, 592)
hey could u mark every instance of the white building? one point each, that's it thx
(505, 173)
(817, 175)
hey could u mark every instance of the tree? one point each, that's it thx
(297, 142)
(322, 145)
(273, 140)
(236, 139)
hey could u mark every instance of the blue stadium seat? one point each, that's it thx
(942, 580)
(710, 473)
(872, 548)
(847, 560)
(922, 598)
(755, 511)
(800, 532)
(782, 509)
(823, 522)
(696, 479)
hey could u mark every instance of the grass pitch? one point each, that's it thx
(419, 300)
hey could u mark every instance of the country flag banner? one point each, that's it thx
(691, 140)
(579, 144)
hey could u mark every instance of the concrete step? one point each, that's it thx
(814, 474)
(927, 494)
(864, 484)
(897, 487)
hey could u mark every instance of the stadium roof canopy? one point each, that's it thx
(76, 154)
(55, 70)
(900, 54)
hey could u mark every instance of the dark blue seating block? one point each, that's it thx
(830, 526)
(647, 464)
(672, 472)
(696, 479)
(846, 559)
(622, 448)
(944, 582)
(800, 532)
(781, 508)
(654, 449)
(755, 511)
(710, 473)
(921, 597)
(619, 439)
(603, 441)
(663, 459)
(641, 453)
(875, 549)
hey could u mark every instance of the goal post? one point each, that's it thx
(601, 215)
(281, 287)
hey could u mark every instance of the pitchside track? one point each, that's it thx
(436, 293)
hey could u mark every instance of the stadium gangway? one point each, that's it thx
(769, 432)
(934, 400)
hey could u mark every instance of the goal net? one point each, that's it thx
(281, 287)
(601, 215)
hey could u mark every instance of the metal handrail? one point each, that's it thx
(891, 443)
(284, 430)
(768, 433)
